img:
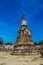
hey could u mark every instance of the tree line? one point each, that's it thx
(10, 43)
(2, 42)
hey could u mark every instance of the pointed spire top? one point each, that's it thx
(24, 20)
(23, 17)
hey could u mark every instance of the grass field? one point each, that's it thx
(7, 59)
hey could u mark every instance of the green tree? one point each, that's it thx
(1, 41)
(35, 43)
(41, 42)
(9, 43)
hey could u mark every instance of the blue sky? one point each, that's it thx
(11, 14)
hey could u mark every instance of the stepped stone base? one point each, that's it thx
(25, 50)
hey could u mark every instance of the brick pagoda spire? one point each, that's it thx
(24, 37)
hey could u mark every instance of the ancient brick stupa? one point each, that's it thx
(24, 41)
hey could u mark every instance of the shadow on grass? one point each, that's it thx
(35, 59)
(3, 64)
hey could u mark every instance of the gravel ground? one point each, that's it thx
(7, 59)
